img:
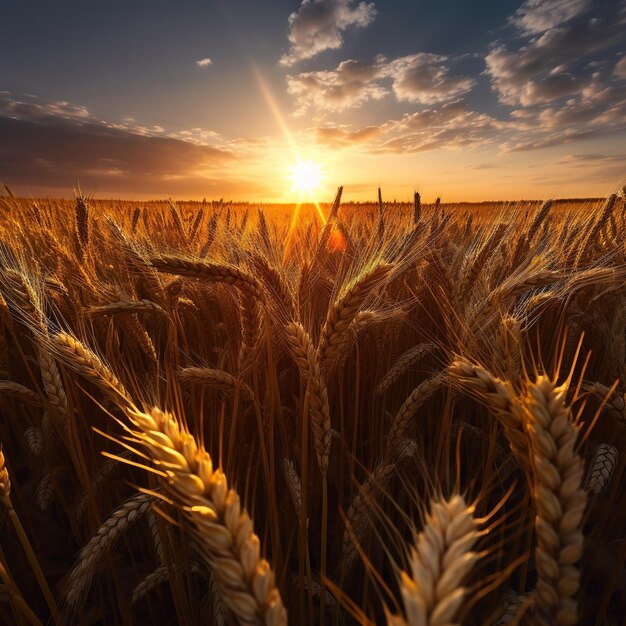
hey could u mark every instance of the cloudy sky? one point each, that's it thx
(217, 98)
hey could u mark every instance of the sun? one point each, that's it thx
(306, 176)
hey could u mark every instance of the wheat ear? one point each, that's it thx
(404, 362)
(601, 469)
(15, 390)
(499, 397)
(215, 378)
(307, 359)
(560, 501)
(101, 543)
(345, 308)
(215, 272)
(432, 591)
(409, 408)
(125, 306)
(222, 530)
(87, 363)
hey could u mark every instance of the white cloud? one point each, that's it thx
(318, 25)
(421, 78)
(348, 86)
(204, 62)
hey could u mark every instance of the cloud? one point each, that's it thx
(452, 126)
(536, 16)
(343, 137)
(55, 145)
(204, 62)
(552, 36)
(583, 160)
(620, 68)
(421, 78)
(599, 110)
(424, 78)
(348, 86)
(318, 25)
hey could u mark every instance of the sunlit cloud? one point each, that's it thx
(453, 126)
(421, 78)
(204, 62)
(537, 16)
(318, 25)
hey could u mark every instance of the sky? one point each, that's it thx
(480, 100)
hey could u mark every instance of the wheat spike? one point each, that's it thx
(215, 378)
(5, 479)
(601, 469)
(404, 362)
(125, 306)
(432, 590)
(402, 420)
(15, 390)
(306, 358)
(100, 545)
(87, 363)
(222, 530)
(560, 501)
(346, 306)
(500, 398)
(215, 272)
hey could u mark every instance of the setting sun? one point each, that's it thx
(306, 176)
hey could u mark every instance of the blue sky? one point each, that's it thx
(471, 100)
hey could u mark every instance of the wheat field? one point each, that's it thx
(212, 413)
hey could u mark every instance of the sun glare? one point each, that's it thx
(306, 176)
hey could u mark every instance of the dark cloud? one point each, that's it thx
(318, 25)
(57, 145)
